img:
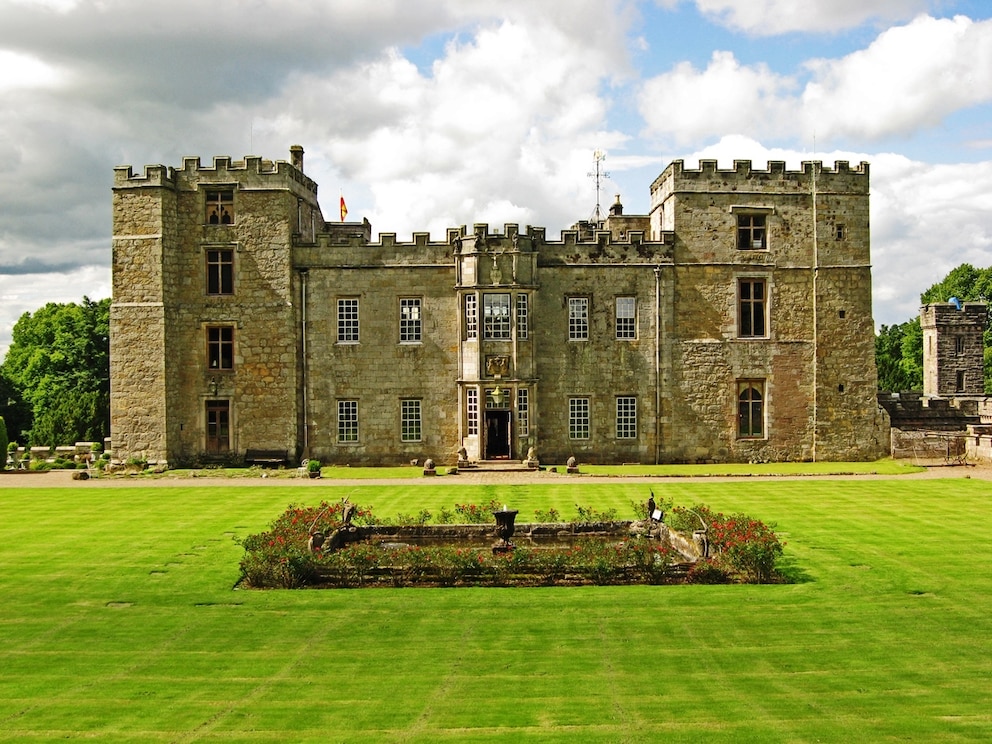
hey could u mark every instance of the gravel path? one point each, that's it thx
(63, 478)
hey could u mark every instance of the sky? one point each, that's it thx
(429, 114)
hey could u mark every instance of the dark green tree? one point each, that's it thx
(14, 410)
(3, 444)
(894, 375)
(59, 365)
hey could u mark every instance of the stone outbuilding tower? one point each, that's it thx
(953, 348)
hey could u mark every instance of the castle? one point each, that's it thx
(731, 323)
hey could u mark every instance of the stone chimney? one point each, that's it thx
(296, 157)
(617, 208)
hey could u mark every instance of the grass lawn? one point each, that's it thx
(119, 624)
(886, 466)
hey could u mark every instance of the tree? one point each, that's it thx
(59, 365)
(895, 374)
(3, 444)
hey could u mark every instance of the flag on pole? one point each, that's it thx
(344, 209)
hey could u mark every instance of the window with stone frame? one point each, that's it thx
(961, 381)
(220, 271)
(626, 318)
(752, 309)
(751, 409)
(959, 345)
(472, 411)
(578, 418)
(347, 421)
(347, 320)
(410, 421)
(220, 347)
(752, 231)
(578, 318)
(523, 412)
(496, 315)
(523, 319)
(219, 206)
(471, 316)
(411, 326)
(626, 417)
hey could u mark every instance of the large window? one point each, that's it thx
(626, 318)
(496, 315)
(410, 424)
(472, 409)
(220, 271)
(578, 418)
(751, 232)
(410, 320)
(522, 316)
(523, 412)
(220, 347)
(348, 320)
(220, 207)
(750, 409)
(347, 421)
(471, 316)
(626, 417)
(751, 310)
(578, 318)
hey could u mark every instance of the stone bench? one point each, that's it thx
(266, 458)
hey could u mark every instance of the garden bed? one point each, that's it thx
(321, 547)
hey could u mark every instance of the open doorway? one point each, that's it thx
(497, 445)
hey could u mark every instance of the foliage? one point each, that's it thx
(896, 372)
(547, 516)
(58, 366)
(476, 513)
(3, 443)
(591, 515)
(739, 545)
(313, 466)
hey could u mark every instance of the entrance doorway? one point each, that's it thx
(218, 427)
(497, 435)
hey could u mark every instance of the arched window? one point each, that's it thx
(750, 409)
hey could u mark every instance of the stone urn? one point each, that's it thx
(504, 529)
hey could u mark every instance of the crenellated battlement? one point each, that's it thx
(153, 175)
(744, 176)
(223, 168)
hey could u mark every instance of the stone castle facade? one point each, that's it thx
(732, 323)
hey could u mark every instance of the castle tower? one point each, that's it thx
(953, 348)
(205, 362)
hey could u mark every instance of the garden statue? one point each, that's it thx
(504, 529)
(572, 465)
(532, 461)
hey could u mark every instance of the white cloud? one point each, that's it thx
(688, 104)
(24, 71)
(910, 78)
(500, 128)
(769, 17)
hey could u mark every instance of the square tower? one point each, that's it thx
(953, 348)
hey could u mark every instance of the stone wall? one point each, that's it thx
(680, 265)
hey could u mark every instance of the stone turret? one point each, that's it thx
(953, 348)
